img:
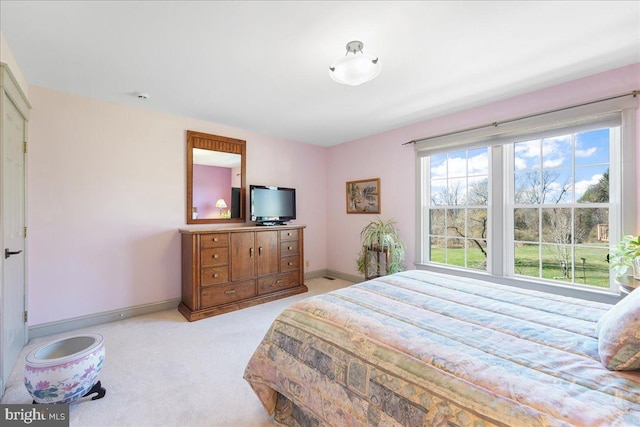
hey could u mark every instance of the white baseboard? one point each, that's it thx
(52, 328)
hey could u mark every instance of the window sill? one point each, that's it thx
(597, 294)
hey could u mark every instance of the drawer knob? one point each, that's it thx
(215, 239)
(215, 275)
(290, 247)
(290, 263)
(280, 281)
(230, 292)
(215, 256)
(288, 234)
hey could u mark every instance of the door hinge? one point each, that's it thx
(25, 147)
(25, 232)
(26, 316)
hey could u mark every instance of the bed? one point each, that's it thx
(424, 349)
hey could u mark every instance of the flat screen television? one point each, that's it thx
(272, 205)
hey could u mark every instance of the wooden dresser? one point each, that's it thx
(226, 269)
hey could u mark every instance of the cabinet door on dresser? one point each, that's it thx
(267, 243)
(243, 255)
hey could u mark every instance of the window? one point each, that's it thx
(458, 196)
(535, 201)
(560, 207)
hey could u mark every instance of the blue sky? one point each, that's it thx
(557, 156)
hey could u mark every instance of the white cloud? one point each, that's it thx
(457, 167)
(586, 153)
(479, 165)
(552, 163)
(582, 186)
(555, 151)
(528, 148)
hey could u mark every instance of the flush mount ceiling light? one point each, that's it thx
(355, 69)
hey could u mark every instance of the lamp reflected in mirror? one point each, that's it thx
(222, 205)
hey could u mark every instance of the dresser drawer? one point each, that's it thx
(214, 275)
(214, 257)
(286, 235)
(215, 240)
(229, 292)
(289, 248)
(275, 283)
(290, 263)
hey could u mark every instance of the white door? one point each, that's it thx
(12, 295)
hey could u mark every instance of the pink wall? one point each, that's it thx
(210, 183)
(383, 156)
(104, 214)
(106, 197)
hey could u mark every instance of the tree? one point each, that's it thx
(478, 194)
(587, 220)
(535, 188)
(598, 192)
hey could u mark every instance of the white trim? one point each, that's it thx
(598, 295)
(537, 125)
(419, 197)
(497, 213)
(629, 171)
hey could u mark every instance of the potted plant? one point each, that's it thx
(377, 237)
(624, 255)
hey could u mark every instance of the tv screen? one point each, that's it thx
(272, 205)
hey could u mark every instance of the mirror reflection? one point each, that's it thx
(215, 178)
(216, 184)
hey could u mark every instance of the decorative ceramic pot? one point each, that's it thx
(65, 370)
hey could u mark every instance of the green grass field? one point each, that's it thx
(594, 271)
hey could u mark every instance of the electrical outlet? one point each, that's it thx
(306, 263)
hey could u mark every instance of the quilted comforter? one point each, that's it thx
(423, 349)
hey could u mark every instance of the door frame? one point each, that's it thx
(11, 89)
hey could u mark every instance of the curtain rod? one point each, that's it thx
(496, 124)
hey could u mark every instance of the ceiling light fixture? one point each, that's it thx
(357, 68)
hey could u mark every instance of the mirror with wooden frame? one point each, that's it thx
(215, 179)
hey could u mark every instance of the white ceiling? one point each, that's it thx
(263, 65)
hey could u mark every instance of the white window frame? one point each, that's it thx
(619, 110)
(509, 255)
(427, 199)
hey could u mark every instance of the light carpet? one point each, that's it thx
(161, 370)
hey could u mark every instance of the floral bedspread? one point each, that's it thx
(423, 349)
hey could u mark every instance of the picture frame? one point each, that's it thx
(363, 196)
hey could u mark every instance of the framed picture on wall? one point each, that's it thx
(363, 197)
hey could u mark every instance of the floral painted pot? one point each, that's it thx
(65, 370)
